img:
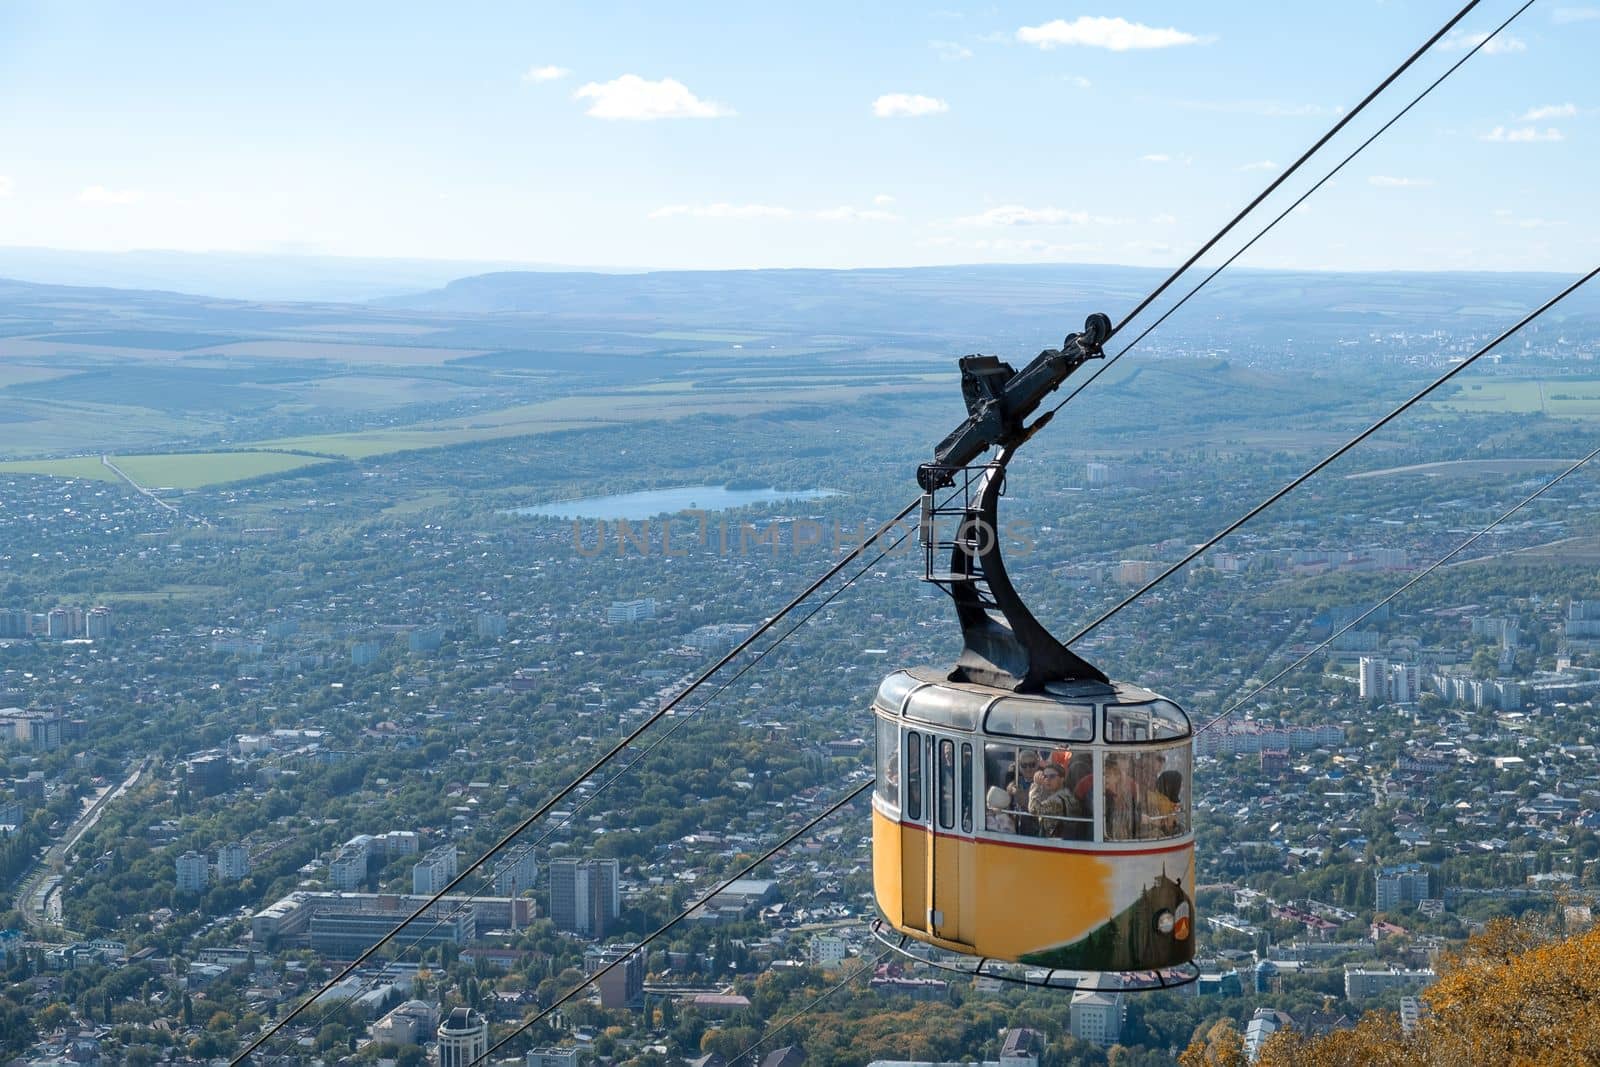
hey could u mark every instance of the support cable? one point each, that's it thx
(809, 590)
(1364, 616)
(1331, 457)
(1307, 154)
(567, 789)
(661, 930)
(677, 722)
(1302, 198)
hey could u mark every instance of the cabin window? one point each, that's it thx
(1145, 795)
(947, 785)
(913, 776)
(1153, 720)
(966, 788)
(1046, 720)
(944, 706)
(888, 785)
(1039, 792)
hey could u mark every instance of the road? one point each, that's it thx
(39, 898)
(105, 461)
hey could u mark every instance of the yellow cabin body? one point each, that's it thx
(1049, 829)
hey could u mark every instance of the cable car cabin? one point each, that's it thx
(1048, 828)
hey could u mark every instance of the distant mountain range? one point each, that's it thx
(969, 300)
(243, 276)
(986, 304)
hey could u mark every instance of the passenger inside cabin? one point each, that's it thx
(1121, 798)
(1050, 803)
(1166, 805)
(1020, 786)
(998, 816)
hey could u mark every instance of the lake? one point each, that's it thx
(666, 501)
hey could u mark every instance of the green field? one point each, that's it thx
(365, 443)
(88, 467)
(1569, 398)
(576, 413)
(178, 470)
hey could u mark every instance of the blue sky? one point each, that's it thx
(818, 134)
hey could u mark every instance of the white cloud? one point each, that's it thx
(1078, 81)
(1550, 111)
(1163, 220)
(907, 105)
(1563, 16)
(6, 186)
(1017, 215)
(1156, 157)
(1522, 135)
(1010, 246)
(635, 98)
(883, 198)
(1501, 44)
(722, 210)
(545, 74)
(1115, 34)
(853, 214)
(99, 194)
(1260, 164)
(1386, 181)
(950, 51)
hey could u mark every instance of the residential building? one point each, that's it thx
(207, 776)
(623, 985)
(434, 871)
(826, 950)
(1373, 672)
(194, 873)
(97, 623)
(515, 874)
(491, 625)
(1262, 1025)
(1410, 1014)
(624, 611)
(13, 622)
(1363, 982)
(365, 652)
(584, 895)
(1395, 683)
(36, 729)
(425, 639)
(463, 1038)
(1022, 1047)
(552, 1057)
(412, 1023)
(1097, 1017)
(233, 862)
(348, 869)
(1405, 883)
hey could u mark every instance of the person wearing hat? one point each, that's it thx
(998, 815)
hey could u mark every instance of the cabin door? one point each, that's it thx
(950, 837)
(916, 829)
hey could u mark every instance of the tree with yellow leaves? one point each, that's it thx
(1221, 1046)
(1515, 995)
